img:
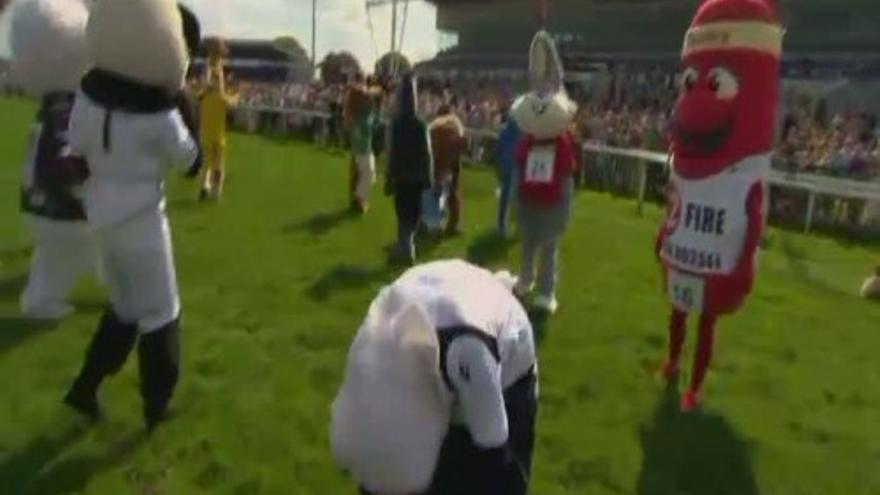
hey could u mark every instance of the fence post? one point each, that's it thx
(811, 207)
(643, 185)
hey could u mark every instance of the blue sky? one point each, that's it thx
(342, 24)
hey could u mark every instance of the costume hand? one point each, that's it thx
(196, 167)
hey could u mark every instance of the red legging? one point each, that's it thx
(705, 344)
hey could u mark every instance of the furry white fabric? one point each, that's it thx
(139, 39)
(48, 43)
(392, 412)
(546, 112)
(871, 288)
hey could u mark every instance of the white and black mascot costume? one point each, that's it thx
(48, 41)
(440, 390)
(128, 121)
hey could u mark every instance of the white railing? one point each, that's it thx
(812, 184)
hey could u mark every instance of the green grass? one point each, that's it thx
(275, 280)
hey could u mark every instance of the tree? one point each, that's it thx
(337, 67)
(391, 63)
(292, 47)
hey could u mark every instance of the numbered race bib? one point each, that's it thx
(685, 291)
(540, 164)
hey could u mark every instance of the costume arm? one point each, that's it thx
(180, 146)
(755, 212)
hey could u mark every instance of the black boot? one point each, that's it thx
(159, 362)
(108, 351)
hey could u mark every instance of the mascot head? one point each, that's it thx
(48, 41)
(142, 40)
(393, 410)
(729, 87)
(546, 112)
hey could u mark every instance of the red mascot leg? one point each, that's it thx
(677, 331)
(703, 357)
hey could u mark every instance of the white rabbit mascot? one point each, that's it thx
(48, 42)
(546, 160)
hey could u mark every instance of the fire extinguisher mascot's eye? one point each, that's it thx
(722, 140)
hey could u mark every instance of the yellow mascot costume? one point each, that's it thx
(214, 104)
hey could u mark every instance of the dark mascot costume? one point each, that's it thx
(722, 141)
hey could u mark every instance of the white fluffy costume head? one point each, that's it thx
(48, 43)
(141, 40)
(546, 112)
(392, 412)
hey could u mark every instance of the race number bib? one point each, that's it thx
(539, 166)
(685, 291)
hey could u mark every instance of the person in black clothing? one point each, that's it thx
(410, 167)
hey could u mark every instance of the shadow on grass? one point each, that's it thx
(11, 287)
(540, 320)
(323, 222)
(343, 277)
(15, 331)
(488, 248)
(12, 255)
(36, 470)
(800, 267)
(696, 453)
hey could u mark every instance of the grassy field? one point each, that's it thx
(276, 278)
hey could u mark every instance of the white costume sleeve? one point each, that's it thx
(475, 375)
(178, 145)
(77, 128)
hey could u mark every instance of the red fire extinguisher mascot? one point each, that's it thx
(722, 140)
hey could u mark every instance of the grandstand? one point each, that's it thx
(495, 33)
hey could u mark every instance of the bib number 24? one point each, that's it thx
(686, 292)
(540, 165)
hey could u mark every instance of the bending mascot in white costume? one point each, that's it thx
(440, 391)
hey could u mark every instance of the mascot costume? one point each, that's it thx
(362, 118)
(127, 124)
(214, 105)
(48, 41)
(410, 168)
(722, 141)
(546, 160)
(440, 389)
(448, 145)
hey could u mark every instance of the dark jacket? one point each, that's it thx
(51, 173)
(409, 158)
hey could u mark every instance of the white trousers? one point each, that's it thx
(366, 166)
(63, 253)
(139, 268)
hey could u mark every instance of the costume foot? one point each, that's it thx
(690, 401)
(547, 303)
(152, 419)
(670, 371)
(48, 313)
(84, 403)
(203, 195)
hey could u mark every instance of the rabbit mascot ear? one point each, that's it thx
(546, 112)
(545, 67)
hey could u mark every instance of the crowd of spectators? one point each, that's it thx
(636, 115)
(846, 145)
